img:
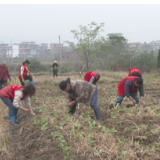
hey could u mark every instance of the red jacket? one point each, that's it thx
(89, 75)
(4, 73)
(8, 92)
(24, 73)
(134, 70)
(121, 85)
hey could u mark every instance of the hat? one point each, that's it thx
(54, 61)
(63, 84)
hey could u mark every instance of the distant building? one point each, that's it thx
(4, 49)
(44, 50)
(155, 45)
(28, 49)
(68, 54)
(55, 49)
(16, 50)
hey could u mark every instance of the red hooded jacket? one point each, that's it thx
(8, 92)
(121, 85)
(89, 75)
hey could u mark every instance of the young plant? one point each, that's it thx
(123, 154)
(122, 143)
(137, 144)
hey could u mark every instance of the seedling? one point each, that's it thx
(157, 144)
(36, 122)
(123, 141)
(152, 120)
(54, 134)
(123, 154)
(68, 156)
(89, 135)
(127, 129)
(154, 131)
(148, 134)
(137, 144)
(44, 127)
(97, 153)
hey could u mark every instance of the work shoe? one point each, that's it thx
(73, 109)
(16, 119)
(98, 114)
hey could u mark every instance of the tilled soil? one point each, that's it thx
(130, 129)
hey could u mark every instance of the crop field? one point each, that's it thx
(126, 133)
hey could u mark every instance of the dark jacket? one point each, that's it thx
(127, 88)
(55, 66)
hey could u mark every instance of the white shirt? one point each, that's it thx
(22, 70)
(17, 99)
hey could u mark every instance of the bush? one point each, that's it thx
(158, 62)
(64, 69)
(36, 66)
(145, 61)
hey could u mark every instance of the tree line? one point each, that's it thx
(111, 52)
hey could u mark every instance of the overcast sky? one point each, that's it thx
(43, 23)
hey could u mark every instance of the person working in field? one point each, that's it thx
(135, 72)
(4, 74)
(92, 77)
(23, 73)
(55, 69)
(12, 95)
(129, 87)
(81, 92)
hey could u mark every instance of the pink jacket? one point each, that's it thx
(4, 73)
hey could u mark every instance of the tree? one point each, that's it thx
(118, 43)
(88, 38)
(158, 62)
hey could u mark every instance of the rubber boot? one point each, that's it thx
(117, 104)
(98, 114)
(30, 82)
(16, 119)
(73, 109)
(13, 120)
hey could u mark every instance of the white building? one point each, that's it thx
(15, 48)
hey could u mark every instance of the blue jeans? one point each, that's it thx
(133, 95)
(94, 99)
(12, 110)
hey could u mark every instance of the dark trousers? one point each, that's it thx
(2, 82)
(55, 73)
(26, 78)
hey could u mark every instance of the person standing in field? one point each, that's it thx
(135, 72)
(23, 73)
(81, 92)
(129, 87)
(12, 96)
(92, 77)
(4, 74)
(55, 69)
